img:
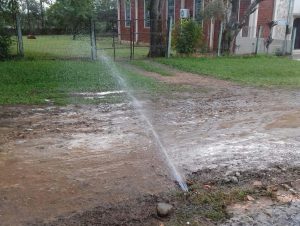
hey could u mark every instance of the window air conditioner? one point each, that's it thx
(184, 13)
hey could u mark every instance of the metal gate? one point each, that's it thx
(126, 39)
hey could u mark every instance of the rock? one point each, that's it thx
(226, 180)
(164, 209)
(250, 198)
(237, 174)
(234, 180)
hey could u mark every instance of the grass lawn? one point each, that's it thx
(54, 67)
(64, 47)
(38, 81)
(151, 67)
(259, 71)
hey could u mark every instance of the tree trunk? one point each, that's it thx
(157, 48)
(19, 35)
(42, 14)
(28, 17)
(234, 27)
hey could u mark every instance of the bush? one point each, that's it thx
(5, 43)
(187, 37)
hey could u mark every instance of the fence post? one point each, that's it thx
(169, 37)
(93, 41)
(133, 38)
(114, 46)
(220, 39)
(293, 39)
(130, 37)
(257, 39)
(19, 34)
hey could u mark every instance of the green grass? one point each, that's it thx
(31, 82)
(64, 47)
(54, 67)
(259, 71)
(37, 81)
(148, 65)
(56, 46)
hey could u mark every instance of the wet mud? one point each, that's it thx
(76, 162)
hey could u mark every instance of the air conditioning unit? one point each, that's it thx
(184, 13)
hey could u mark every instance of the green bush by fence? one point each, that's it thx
(187, 37)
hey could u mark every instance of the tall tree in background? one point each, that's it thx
(71, 14)
(227, 11)
(157, 48)
(106, 13)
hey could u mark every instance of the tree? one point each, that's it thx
(71, 14)
(227, 11)
(9, 12)
(106, 13)
(156, 26)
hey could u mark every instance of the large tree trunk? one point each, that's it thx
(157, 48)
(42, 14)
(234, 27)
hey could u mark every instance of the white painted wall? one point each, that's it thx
(297, 7)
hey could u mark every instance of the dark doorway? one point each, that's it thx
(297, 25)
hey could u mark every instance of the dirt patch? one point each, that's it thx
(291, 120)
(90, 164)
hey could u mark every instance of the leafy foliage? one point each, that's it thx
(187, 37)
(5, 40)
(5, 43)
(70, 14)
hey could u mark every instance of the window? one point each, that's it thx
(198, 8)
(127, 13)
(171, 8)
(146, 13)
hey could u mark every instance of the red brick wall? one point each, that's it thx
(177, 10)
(244, 4)
(217, 27)
(265, 15)
(143, 33)
(125, 31)
(189, 4)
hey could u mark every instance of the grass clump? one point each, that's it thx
(263, 71)
(201, 204)
(151, 67)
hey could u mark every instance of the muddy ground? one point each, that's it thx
(98, 165)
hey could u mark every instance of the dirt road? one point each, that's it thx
(55, 161)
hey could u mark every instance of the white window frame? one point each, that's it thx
(125, 12)
(195, 10)
(145, 10)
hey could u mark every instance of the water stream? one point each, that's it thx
(141, 110)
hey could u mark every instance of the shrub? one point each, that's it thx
(187, 37)
(5, 43)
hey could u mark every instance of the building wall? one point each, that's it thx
(142, 32)
(125, 31)
(281, 14)
(189, 4)
(296, 10)
(265, 16)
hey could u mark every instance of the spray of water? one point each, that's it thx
(139, 108)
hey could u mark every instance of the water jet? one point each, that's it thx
(140, 109)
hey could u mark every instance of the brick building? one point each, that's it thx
(133, 16)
